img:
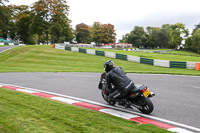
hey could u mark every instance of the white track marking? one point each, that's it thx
(112, 107)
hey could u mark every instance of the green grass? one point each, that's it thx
(185, 53)
(159, 56)
(47, 59)
(24, 113)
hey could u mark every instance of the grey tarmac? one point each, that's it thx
(177, 97)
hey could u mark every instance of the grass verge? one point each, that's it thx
(25, 113)
(47, 59)
(182, 55)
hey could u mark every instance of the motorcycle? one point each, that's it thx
(138, 97)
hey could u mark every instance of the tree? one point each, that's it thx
(2, 2)
(23, 20)
(163, 38)
(103, 33)
(165, 31)
(177, 33)
(193, 42)
(83, 33)
(4, 19)
(125, 38)
(156, 37)
(96, 33)
(62, 30)
(152, 37)
(51, 17)
(138, 37)
(108, 33)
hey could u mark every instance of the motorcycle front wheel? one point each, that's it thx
(105, 97)
(147, 105)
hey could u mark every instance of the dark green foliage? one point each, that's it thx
(44, 22)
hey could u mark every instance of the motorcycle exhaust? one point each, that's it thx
(136, 106)
(151, 94)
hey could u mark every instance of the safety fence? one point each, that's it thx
(154, 62)
(10, 44)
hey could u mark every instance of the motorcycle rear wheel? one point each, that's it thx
(147, 106)
(105, 97)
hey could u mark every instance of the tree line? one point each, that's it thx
(47, 21)
(98, 33)
(167, 36)
(44, 21)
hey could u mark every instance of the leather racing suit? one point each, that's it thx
(121, 82)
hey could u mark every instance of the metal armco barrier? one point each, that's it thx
(154, 62)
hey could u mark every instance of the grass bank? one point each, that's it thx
(25, 113)
(47, 59)
(181, 55)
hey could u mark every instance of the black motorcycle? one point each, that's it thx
(138, 97)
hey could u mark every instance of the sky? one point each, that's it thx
(126, 14)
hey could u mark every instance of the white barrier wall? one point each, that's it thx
(161, 63)
(110, 54)
(191, 65)
(1, 43)
(90, 51)
(60, 47)
(156, 62)
(75, 49)
(11, 44)
(133, 58)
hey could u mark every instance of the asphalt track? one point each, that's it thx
(5, 48)
(177, 97)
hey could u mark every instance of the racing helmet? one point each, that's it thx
(108, 65)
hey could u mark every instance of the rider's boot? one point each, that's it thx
(127, 104)
(111, 101)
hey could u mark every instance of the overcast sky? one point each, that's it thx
(125, 14)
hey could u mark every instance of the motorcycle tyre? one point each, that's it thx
(148, 104)
(105, 97)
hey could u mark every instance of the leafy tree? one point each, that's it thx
(125, 38)
(138, 37)
(152, 37)
(39, 24)
(58, 11)
(168, 36)
(51, 18)
(165, 35)
(193, 42)
(96, 33)
(22, 23)
(156, 37)
(163, 38)
(103, 33)
(108, 33)
(177, 33)
(2, 2)
(82, 33)
(4, 19)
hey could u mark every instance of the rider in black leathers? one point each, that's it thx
(117, 77)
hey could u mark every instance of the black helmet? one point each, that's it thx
(108, 65)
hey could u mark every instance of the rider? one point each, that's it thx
(117, 77)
